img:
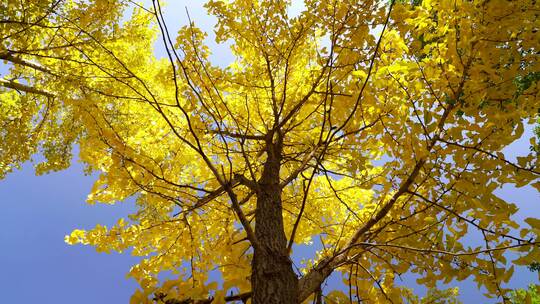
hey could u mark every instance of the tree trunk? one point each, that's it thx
(273, 280)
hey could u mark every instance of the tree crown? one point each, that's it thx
(377, 129)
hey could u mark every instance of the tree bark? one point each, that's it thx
(273, 280)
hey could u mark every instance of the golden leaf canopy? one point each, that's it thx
(388, 122)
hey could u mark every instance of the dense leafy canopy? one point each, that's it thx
(529, 296)
(387, 122)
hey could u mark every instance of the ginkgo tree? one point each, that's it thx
(372, 132)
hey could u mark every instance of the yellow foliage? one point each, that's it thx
(387, 121)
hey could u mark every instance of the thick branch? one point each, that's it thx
(237, 297)
(237, 135)
(24, 62)
(309, 283)
(22, 87)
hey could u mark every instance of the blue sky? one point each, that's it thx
(38, 267)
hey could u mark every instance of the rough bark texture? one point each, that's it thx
(273, 280)
(313, 280)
